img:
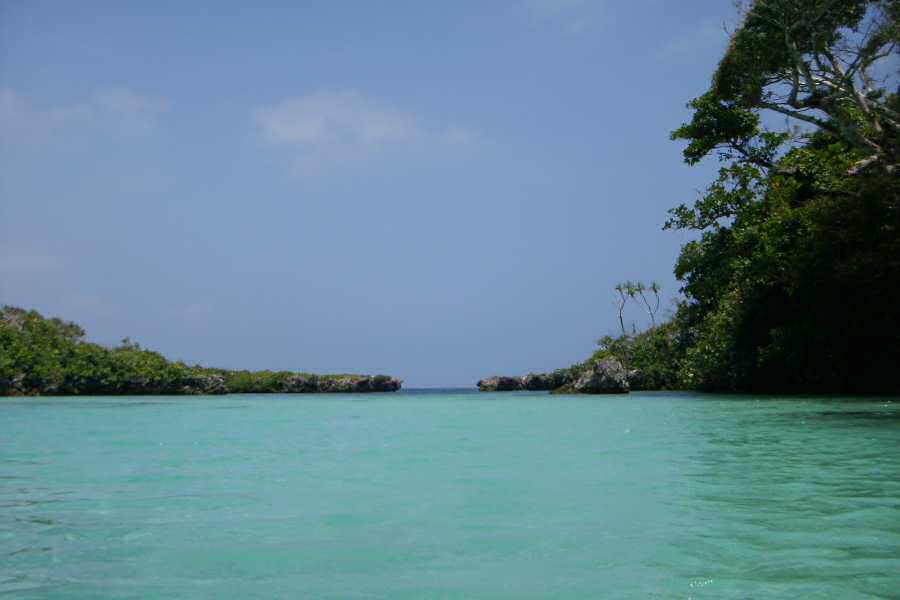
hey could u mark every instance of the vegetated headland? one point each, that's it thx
(49, 356)
(791, 283)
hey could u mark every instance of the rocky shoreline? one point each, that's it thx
(198, 385)
(606, 376)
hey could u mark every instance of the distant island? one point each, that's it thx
(49, 356)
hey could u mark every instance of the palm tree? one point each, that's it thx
(620, 287)
(631, 291)
(655, 288)
(640, 288)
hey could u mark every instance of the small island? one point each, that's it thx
(42, 356)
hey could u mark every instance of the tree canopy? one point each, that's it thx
(793, 282)
(825, 65)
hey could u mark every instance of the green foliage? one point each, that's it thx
(794, 280)
(637, 289)
(793, 285)
(816, 62)
(242, 382)
(758, 51)
(717, 123)
(655, 355)
(48, 356)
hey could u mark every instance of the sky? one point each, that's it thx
(440, 191)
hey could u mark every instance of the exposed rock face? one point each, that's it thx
(13, 386)
(607, 376)
(538, 382)
(204, 384)
(301, 384)
(384, 383)
(359, 384)
(195, 384)
(636, 380)
(546, 381)
(19, 385)
(532, 382)
(500, 384)
(334, 386)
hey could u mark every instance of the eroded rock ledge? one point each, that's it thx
(607, 376)
(204, 384)
(350, 384)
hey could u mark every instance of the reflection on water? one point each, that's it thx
(450, 495)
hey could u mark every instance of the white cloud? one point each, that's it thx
(572, 16)
(117, 109)
(331, 127)
(329, 118)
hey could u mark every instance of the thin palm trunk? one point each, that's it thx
(621, 309)
(649, 311)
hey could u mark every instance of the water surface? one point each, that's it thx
(449, 495)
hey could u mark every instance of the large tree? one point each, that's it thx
(793, 282)
(823, 64)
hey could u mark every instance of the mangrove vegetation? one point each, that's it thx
(49, 356)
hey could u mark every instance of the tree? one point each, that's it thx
(620, 288)
(817, 62)
(640, 288)
(631, 292)
(792, 282)
(656, 289)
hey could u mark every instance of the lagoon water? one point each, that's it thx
(450, 494)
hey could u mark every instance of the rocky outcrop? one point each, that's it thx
(190, 385)
(500, 384)
(533, 382)
(637, 380)
(384, 383)
(359, 384)
(301, 384)
(606, 376)
(203, 384)
(546, 381)
(13, 386)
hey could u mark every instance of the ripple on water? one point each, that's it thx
(444, 495)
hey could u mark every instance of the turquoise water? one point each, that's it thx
(449, 495)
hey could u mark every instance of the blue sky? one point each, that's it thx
(440, 191)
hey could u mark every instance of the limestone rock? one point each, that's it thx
(500, 384)
(538, 382)
(354, 384)
(204, 384)
(606, 376)
(301, 384)
(384, 383)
